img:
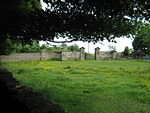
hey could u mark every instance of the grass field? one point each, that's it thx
(111, 86)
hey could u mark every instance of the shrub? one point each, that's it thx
(126, 51)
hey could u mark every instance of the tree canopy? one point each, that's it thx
(94, 20)
(142, 40)
(14, 15)
(86, 20)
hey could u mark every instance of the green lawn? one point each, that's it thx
(111, 86)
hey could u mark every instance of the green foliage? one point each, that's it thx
(142, 40)
(26, 49)
(112, 48)
(89, 56)
(15, 18)
(44, 47)
(79, 20)
(83, 20)
(97, 20)
(10, 47)
(30, 48)
(18, 47)
(110, 86)
(73, 48)
(29, 5)
(54, 49)
(33, 47)
(64, 47)
(126, 51)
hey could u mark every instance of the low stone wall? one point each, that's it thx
(51, 55)
(20, 57)
(30, 56)
(102, 55)
(74, 55)
(109, 55)
(71, 55)
(42, 56)
(78, 55)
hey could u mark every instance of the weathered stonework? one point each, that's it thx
(102, 55)
(70, 55)
(20, 57)
(50, 55)
(78, 55)
(30, 56)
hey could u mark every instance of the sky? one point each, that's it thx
(104, 46)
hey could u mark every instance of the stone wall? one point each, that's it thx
(108, 55)
(30, 56)
(79, 55)
(70, 55)
(102, 55)
(20, 57)
(50, 55)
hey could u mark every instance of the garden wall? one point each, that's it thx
(102, 55)
(109, 55)
(50, 55)
(78, 55)
(30, 56)
(42, 56)
(70, 55)
(20, 57)
(74, 55)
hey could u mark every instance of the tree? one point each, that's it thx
(9, 47)
(43, 47)
(138, 54)
(126, 51)
(63, 46)
(73, 48)
(142, 40)
(112, 48)
(84, 20)
(14, 17)
(94, 20)
(35, 46)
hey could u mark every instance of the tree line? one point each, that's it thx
(19, 47)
